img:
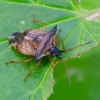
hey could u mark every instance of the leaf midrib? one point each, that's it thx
(39, 86)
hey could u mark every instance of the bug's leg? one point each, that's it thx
(57, 61)
(37, 64)
(34, 20)
(52, 61)
(68, 74)
(57, 35)
(54, 64)
(62, 44)
(14, 61)
(58, 40)
(75, 47)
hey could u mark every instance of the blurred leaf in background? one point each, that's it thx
(77, 27)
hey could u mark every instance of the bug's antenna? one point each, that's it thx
(76, 47)
(68, 74)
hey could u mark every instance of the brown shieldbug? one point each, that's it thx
(37, 43)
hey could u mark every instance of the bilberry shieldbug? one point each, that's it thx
(37, 43)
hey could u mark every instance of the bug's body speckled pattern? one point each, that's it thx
(35, 42)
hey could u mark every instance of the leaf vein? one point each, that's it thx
(49, 68)
(72, 32)
(90, 34)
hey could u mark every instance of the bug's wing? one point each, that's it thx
(36, 39)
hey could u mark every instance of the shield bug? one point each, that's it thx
(37, 43)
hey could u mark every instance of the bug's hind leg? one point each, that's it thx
(37, 64)
(34, 20)
(14, 61)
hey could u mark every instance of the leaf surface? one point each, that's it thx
(76, 25)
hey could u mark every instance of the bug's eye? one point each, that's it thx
(36, 39)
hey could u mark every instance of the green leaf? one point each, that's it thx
(76, 25)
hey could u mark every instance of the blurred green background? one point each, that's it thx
(85, 72)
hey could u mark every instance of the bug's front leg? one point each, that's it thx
(14, 61)
(52, 61)
(58, 40)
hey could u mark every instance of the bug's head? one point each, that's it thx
(56, 52)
